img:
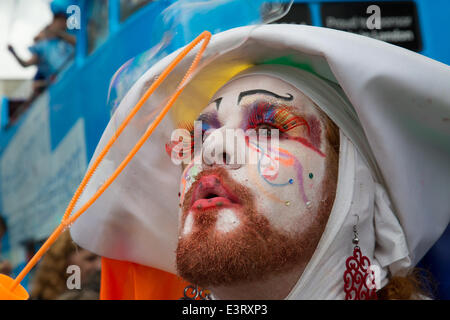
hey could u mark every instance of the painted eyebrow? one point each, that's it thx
(218, 101)
(290, 97)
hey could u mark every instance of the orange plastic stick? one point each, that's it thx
(67, 220)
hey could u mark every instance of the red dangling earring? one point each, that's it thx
(359, 279)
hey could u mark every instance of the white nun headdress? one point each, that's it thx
(392, 106)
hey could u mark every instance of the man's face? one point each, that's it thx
(247, 221)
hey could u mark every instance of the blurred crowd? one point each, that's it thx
(52, 51)
(53, 278)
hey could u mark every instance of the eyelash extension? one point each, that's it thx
(279, 117)
(187, 125)
(209, 121)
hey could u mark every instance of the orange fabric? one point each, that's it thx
(122, 280)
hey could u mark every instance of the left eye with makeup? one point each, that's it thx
(209, 122)
(265, 115)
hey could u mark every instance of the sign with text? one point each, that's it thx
(393, 22)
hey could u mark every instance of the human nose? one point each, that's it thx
(224, 147)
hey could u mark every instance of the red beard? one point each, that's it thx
(253, 251)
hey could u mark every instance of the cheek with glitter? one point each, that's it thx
(298, 168)
(188, 178)
(284, 158)
(268, 164)
(255, 180)
(268, 167)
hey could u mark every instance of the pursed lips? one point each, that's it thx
(211, 192)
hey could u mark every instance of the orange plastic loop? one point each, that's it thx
(67, 220)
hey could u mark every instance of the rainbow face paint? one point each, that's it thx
(281, 117)
(184, 147)
(277, 180)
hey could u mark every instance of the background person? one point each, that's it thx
(5, 265)
(52, 50)
(50, 281)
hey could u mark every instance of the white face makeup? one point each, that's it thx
(220, 202)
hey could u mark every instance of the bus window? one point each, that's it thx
(128, 7)
(97, 23)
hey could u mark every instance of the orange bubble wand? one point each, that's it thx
(11, 289)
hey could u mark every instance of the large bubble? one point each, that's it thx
(180, 23)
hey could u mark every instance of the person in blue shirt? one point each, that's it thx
(52, 51)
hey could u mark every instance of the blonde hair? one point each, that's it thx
(50, 279)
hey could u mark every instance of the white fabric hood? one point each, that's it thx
(402, 102)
